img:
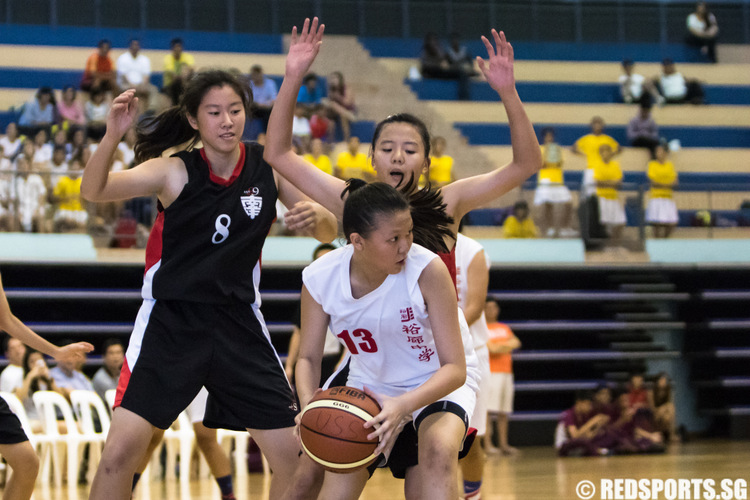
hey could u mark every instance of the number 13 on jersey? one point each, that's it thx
(359, 340)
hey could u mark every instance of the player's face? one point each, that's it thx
(386, 246)
(220, 119)
(399, 155)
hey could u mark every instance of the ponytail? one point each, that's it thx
(165, 130)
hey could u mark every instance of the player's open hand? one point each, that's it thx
(498, 70)
(122, 113)
(301, 217)
(304, 47)
(388, 423)
(74, 351)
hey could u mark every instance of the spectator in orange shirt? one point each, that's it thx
(100, 70)
(500, 400)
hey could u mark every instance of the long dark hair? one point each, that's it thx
(364, 202)
(171, 127)
(34, 385)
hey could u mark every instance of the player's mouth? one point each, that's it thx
(397, 177)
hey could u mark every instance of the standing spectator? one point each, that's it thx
(589, 146)
(107, 376)
(96, 109)
(551, 191)
(100, 70)
(264, 94)
(519, 224)
(501, 344)
(317, 156)
(634, 87)
(642, 130)
(68, 375)
(11, 141)
(31, 197)
(179, 67)
(351, 164)
(441, 164)
(339, 103)
(70, 215)
(11, 377)
(38, 113)
(703, 30)
(608, 177)
(434, 63)
(134, 72)
(661, 211)
(675, 89)
(70, 113)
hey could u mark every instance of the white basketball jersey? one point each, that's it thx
(387, 332)
(466, 250)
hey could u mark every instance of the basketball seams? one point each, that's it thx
(341, 405)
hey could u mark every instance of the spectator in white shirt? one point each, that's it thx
(11, 142)
(134, 72)
(703, 30)
(675, 88)
(30, 193)
(11, 377)
(635, 88)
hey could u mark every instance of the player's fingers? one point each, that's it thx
(305, 30)
(313, 29)
(481, 64)
(294, 35)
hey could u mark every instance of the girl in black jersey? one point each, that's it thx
(200, 323)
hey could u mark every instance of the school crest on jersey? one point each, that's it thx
(252, 203)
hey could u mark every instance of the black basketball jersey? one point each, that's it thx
(206, 245)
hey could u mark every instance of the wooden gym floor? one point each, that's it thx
(536, 474)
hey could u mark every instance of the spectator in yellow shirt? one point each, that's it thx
(519, 224)
(441, 165)
(608, 177)
(351, 163)
(70, 215)
(661, 211)
(589, 146)
(317, 156)
(179, 67)
(551, 191)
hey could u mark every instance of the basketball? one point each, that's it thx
(332, 429)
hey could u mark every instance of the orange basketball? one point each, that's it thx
(332, 429)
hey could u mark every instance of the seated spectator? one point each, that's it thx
(637, 393)
(179, 67)
(310, 94)
(662, 402)
(661, 211)
(78, 143)
(339, 103)
(97, 109)
(100, 70)
(60, 138)
(458, 55)
(434, 63)
(441, 164)
(134, 72)
(317, 157)
(603, 403)
(58, 165)
(70, 215)
(703, 30)
(675, 89)
(608, 177)
(38, 113)
(126, 149)
(11, 141)
(7, 195)
(642, 130)
(551, 191)
(301, 128)
(351, 164)
(70, 113)
(37, 377)
(11, 378)
(68, 375)
(264, 94)
(30, 197)
(42, 150)
(519, 224)
(634, 87)
(107, 376)
(634, 429)
(321, 127)
(581, 429)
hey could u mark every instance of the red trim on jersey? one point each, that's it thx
(122, 383)
(154, 245)
(449, 259)
(237, 168)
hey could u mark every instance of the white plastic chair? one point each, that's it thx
(85, 403)
(48, 403)
(179, 440)
(42, 443)
(241, 440)
(109, 397)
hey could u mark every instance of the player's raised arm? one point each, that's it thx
(467, 194)
(321, 187)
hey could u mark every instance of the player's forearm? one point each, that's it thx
(96, 173)
(17, 329)
(524, 143)
(445, 380)
(307, 378)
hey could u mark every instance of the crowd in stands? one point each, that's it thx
(624, 420)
